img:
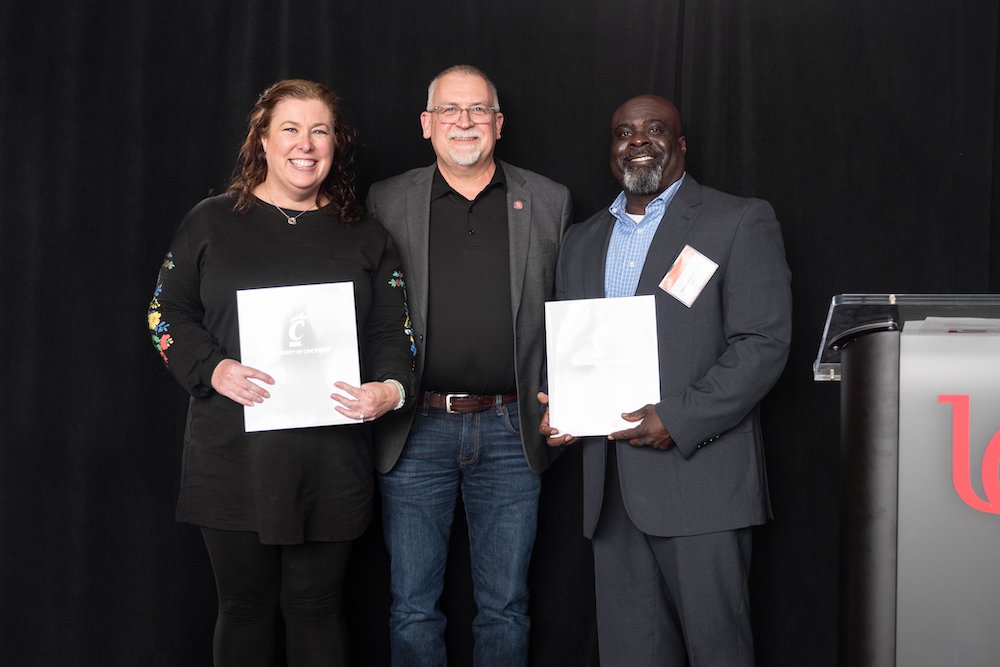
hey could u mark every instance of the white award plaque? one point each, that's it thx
(305, 337)
(602, 361)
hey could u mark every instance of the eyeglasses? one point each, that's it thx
(450, 114)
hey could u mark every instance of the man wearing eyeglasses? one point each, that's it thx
(478, 240)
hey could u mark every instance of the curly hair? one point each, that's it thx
(251, 166)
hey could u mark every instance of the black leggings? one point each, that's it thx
(254, 579)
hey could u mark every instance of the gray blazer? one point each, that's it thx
(717, 360)
(538, 212)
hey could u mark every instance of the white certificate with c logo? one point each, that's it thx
(306, 338)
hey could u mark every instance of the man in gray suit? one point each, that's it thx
(669, 502)
(479, 240)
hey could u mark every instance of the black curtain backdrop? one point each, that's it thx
(869, 126)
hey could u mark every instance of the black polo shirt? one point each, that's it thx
(470, 330)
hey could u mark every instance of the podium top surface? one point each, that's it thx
(854, 315)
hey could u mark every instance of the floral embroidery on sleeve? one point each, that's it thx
(157, 327)
(397, 281)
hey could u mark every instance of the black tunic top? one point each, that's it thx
(295, 485)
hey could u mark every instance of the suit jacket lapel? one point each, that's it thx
(670, 235)
(418, 227)
(519, 213)
(597, 258)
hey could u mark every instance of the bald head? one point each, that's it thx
(654, 104)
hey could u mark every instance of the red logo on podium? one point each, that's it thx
(961, 465)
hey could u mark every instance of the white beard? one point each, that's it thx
(641, 180)
(466, 159)
(470, 157)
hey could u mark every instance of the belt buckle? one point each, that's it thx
(447, 402)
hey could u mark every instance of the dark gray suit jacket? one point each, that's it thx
(538, 212)
(717, 360)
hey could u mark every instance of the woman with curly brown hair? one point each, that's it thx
(279, 509)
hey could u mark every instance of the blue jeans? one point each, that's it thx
(481, 455)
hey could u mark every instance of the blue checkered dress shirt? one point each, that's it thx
(630, 242)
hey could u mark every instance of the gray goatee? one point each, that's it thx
(642, 180)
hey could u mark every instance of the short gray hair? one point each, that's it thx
(465, 70)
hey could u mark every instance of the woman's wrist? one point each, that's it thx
(402, 392)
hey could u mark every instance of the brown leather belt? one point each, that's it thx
(461, 403)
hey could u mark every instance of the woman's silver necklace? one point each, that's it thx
(291, 218)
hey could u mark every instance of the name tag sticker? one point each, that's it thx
(688, 275)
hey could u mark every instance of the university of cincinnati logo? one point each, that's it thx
(296, 330)
(961, 465)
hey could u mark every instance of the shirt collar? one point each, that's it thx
(440, 187)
